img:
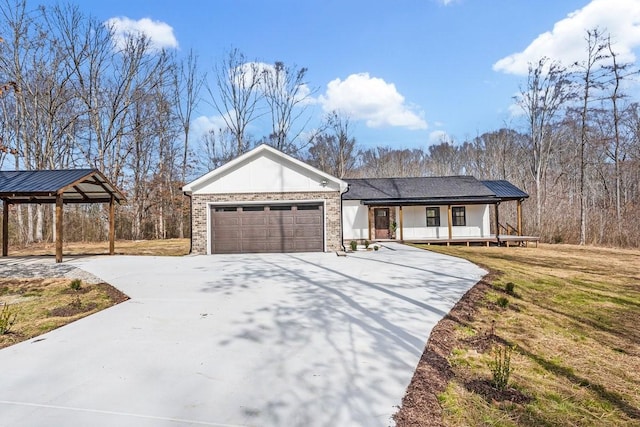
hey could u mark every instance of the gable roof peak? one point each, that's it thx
(256, 152)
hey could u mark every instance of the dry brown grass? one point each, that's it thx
(40, 305)
(166, 247)
(574, 323)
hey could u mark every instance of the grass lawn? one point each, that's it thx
(33, 306)
(572, 320)
(167, 247)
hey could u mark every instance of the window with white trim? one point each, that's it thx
(459, 216)
(433, 216)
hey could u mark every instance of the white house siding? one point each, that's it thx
(477, 222)
(267, 173)
(414, 224)
(355, 221)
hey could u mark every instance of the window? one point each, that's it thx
(308, 207)
(253, 208)
(459, 216)
(279, 208)
(433, 217)
(226, 209)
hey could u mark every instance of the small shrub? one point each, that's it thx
(376, 247)
(509, 288)
(503, 302)
(76, 303)
(354, 245)
(366, 244)
(7, 319)
(76, 284)
(501, 367)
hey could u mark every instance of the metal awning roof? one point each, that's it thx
(44, 186)
(505, 190)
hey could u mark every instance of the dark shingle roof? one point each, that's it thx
(76, 185)
(445, 189)
(505, 190)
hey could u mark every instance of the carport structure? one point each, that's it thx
(57, 187)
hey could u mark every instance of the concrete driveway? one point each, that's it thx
(238, 340)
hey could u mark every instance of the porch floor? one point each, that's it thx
(506, 240)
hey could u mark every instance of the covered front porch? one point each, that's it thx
(441, 224)
(433, 210)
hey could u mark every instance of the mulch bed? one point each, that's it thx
(76, 307)
(420, 406)
(114, 295)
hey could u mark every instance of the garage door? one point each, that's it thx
(267, 228)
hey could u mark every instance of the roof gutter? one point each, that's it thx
(432, 202)
(188, 194)
(342, 217)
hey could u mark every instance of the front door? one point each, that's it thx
(381, 218)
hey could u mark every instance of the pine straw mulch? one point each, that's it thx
(420, 406)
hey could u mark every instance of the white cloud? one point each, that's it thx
(246, 72)
(514, 109)
(159, 33)
(438, 136)
(203, 124)
(566, 42)
(372, 99)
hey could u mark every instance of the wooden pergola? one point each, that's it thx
(57, 187)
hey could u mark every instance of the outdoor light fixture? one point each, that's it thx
(324, 182)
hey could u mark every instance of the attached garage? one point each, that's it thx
(265, 201)
(267, 228)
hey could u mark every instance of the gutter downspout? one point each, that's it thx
(341, 219)
(190, 221)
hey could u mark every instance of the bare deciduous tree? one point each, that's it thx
(546, 92)
(187, 86)
(589, 75)
(333, 149)
(287, 94)
(236, 94)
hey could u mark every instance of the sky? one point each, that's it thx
(408, 73)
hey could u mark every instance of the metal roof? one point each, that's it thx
(430, 190)
(505, 190)
(43, 186)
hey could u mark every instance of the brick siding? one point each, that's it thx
(333, 233)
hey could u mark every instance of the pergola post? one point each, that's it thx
(5, 228)
(59, 228)
(450, 221)
(497, 222)
(112, 225)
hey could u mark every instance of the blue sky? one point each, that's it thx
(407, 72)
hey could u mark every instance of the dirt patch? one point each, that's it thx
(71, 309)
(491, 394)
(114, 294)
(420, 406)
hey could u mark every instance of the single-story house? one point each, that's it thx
(267, 201)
